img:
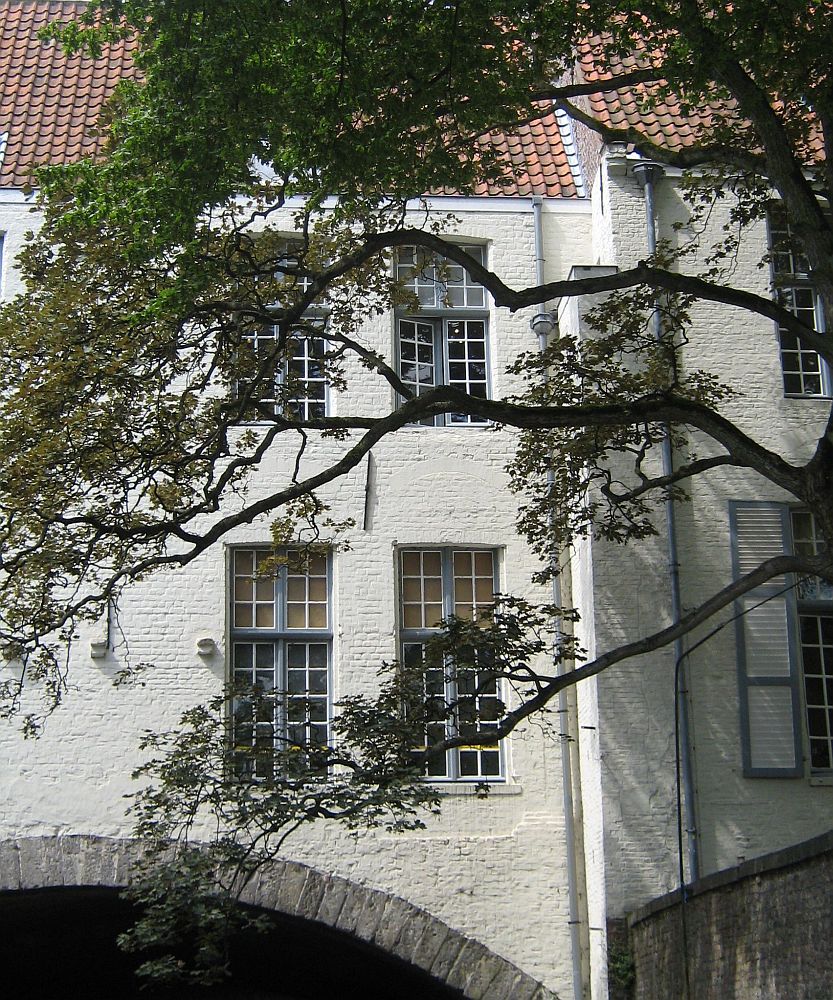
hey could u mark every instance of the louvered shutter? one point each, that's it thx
(768, 665)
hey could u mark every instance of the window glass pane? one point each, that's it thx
(296, 616)
(307, 703)
(453, 352)
(462, 697)
(306, 591)
(433, 615)
(818, 675)
(473, 583)
(287, 681)
(802, 368)
(438, 281)
(806, 542)
(416, 344)
(254, 590)
(467, 367)
(433, 711)
(421, 589)
(432, 562)
(258, 363)
(305, 378)
(317, 616)
(264, 616)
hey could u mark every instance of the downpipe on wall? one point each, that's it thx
(543, 324)
(647, 174)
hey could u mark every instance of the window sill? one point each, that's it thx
(804, 396)
(448, 427)
(821, 780)
(475, 789)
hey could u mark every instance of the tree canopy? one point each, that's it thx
(121, 398)
(118, 397)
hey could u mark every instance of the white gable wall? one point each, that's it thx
(495, 868)
(737, 817)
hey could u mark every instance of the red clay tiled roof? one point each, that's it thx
(537, 161)
(665, 122)
(49, 102)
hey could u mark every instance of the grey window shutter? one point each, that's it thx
(767, 646)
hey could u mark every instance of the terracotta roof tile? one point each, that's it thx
(665, 121)
(536, 161)
(49, 103)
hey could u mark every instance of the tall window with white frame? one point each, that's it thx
(815, 629)
(292, 382)
(281, 639)
(459, 701)
(443, 340)
(289, 381)
(804, 372)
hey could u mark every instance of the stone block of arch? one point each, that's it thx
(291, 889)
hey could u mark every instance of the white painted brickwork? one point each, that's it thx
(492, 869)
(626, 718)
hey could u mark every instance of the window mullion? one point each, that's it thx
(821, 327)
(452, 727)
(281, 685)
(440, 360)
(280, 599)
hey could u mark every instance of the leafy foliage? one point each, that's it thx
(128, 369)
(128, 361)
(213, 811)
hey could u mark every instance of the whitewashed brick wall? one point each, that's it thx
(492, 868)
(631, 753)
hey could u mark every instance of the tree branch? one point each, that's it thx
(678, 475)
(685, 158)
(777, 566)
(642, 274)
(602, 86)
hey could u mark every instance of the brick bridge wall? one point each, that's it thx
(760, 931)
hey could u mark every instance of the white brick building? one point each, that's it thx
(495, 870)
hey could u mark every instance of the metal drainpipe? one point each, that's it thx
(543, 324)
(647, 174)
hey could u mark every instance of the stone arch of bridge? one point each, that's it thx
(376, 920)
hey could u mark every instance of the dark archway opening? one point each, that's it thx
(61, 943)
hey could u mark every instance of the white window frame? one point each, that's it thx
(804, 373)
(280, 670)
(446, 298)
(777, 730)
(461, 764)
(814, 602)
(315, 315)
(289, 408)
